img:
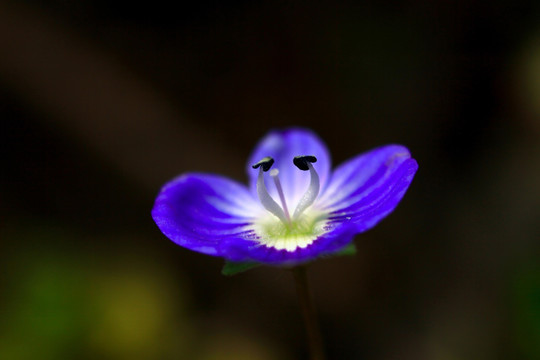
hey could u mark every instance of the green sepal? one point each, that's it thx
(348, 250)
(232, 268)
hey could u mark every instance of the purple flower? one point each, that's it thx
(295, 208)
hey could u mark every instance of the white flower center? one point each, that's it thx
(276, 228)
(300, 233)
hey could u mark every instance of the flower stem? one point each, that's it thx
(308, 312)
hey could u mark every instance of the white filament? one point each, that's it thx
(274, 173)
(310, 195)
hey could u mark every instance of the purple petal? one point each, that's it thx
(213, 215)
(283, 146)
(368, 187)
(204, 212)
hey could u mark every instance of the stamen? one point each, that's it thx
(265, 162)
(264, 197)
(274, 174)
(304, 163)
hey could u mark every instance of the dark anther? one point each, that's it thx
(301, 162)
(266, 163)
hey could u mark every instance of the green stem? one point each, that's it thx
(308, 312)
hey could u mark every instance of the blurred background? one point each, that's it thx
(102, 102)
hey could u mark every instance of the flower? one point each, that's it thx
(295, 208)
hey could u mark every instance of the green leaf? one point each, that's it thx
(348, 250)
(233, 268)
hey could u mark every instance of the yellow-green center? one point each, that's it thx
(299, 233)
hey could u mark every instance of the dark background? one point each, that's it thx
(102, 102)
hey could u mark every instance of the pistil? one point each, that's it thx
(274, 173)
